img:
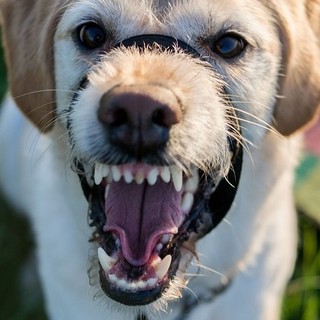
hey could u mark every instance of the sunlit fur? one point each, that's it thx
(198, 90)
(273, 87)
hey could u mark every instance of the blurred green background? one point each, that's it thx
(20, 296)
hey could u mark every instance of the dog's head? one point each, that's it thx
(154, 121)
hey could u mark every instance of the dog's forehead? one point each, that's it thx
(189, 17)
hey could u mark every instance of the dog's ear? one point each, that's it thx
(299, 24)
(28, 30)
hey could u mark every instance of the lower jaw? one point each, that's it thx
(138, 297)
(130, 298)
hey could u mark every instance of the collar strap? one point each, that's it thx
(158, 41)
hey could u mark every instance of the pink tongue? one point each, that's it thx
(140, 214)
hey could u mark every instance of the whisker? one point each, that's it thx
(43, 91)
(226, 221)
(194, 275)
(201, 266)
(263, 124)
(192, 293)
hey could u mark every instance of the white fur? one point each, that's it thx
(254, 245)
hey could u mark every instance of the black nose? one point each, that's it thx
(138, 118)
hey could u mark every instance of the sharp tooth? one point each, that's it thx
(128, 177)
(152, 176)
(105, 170)
(165, 174)
(142, 284)
(187, 202)
(139, 177)
(105, 261)
(116, 174)
(133, 286)
(123, 284)
(152, 282)
(176, 177)
(192, 183)
(98, 173)
(162, 268)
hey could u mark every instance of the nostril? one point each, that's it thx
(111, 112)
(117, 117)
(159, 118)
(166, 115)
(138, 119)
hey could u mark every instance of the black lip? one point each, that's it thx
(142, 297)
(137, 298)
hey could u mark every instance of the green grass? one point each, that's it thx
(302, 300)
(18, 300)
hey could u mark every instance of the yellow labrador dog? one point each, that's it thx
(153, 145)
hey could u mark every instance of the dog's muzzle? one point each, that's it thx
(142, 271)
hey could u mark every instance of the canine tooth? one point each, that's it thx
(192, 183)
(162, 268)
(105, 261)
(152, 282)
(116, 174)
(128, 177)
(152, 176)
(176, 177)
(98, 173)
(165, 174)
(187, 202)
(139, 177)
(105, 170)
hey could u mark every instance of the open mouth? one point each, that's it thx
(139, 212)
(144, 215)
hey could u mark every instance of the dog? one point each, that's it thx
(153, 145)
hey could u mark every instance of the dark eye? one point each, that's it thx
(91, 35)
(229, 46)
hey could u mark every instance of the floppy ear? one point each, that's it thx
(299, 23)
(28, 30)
